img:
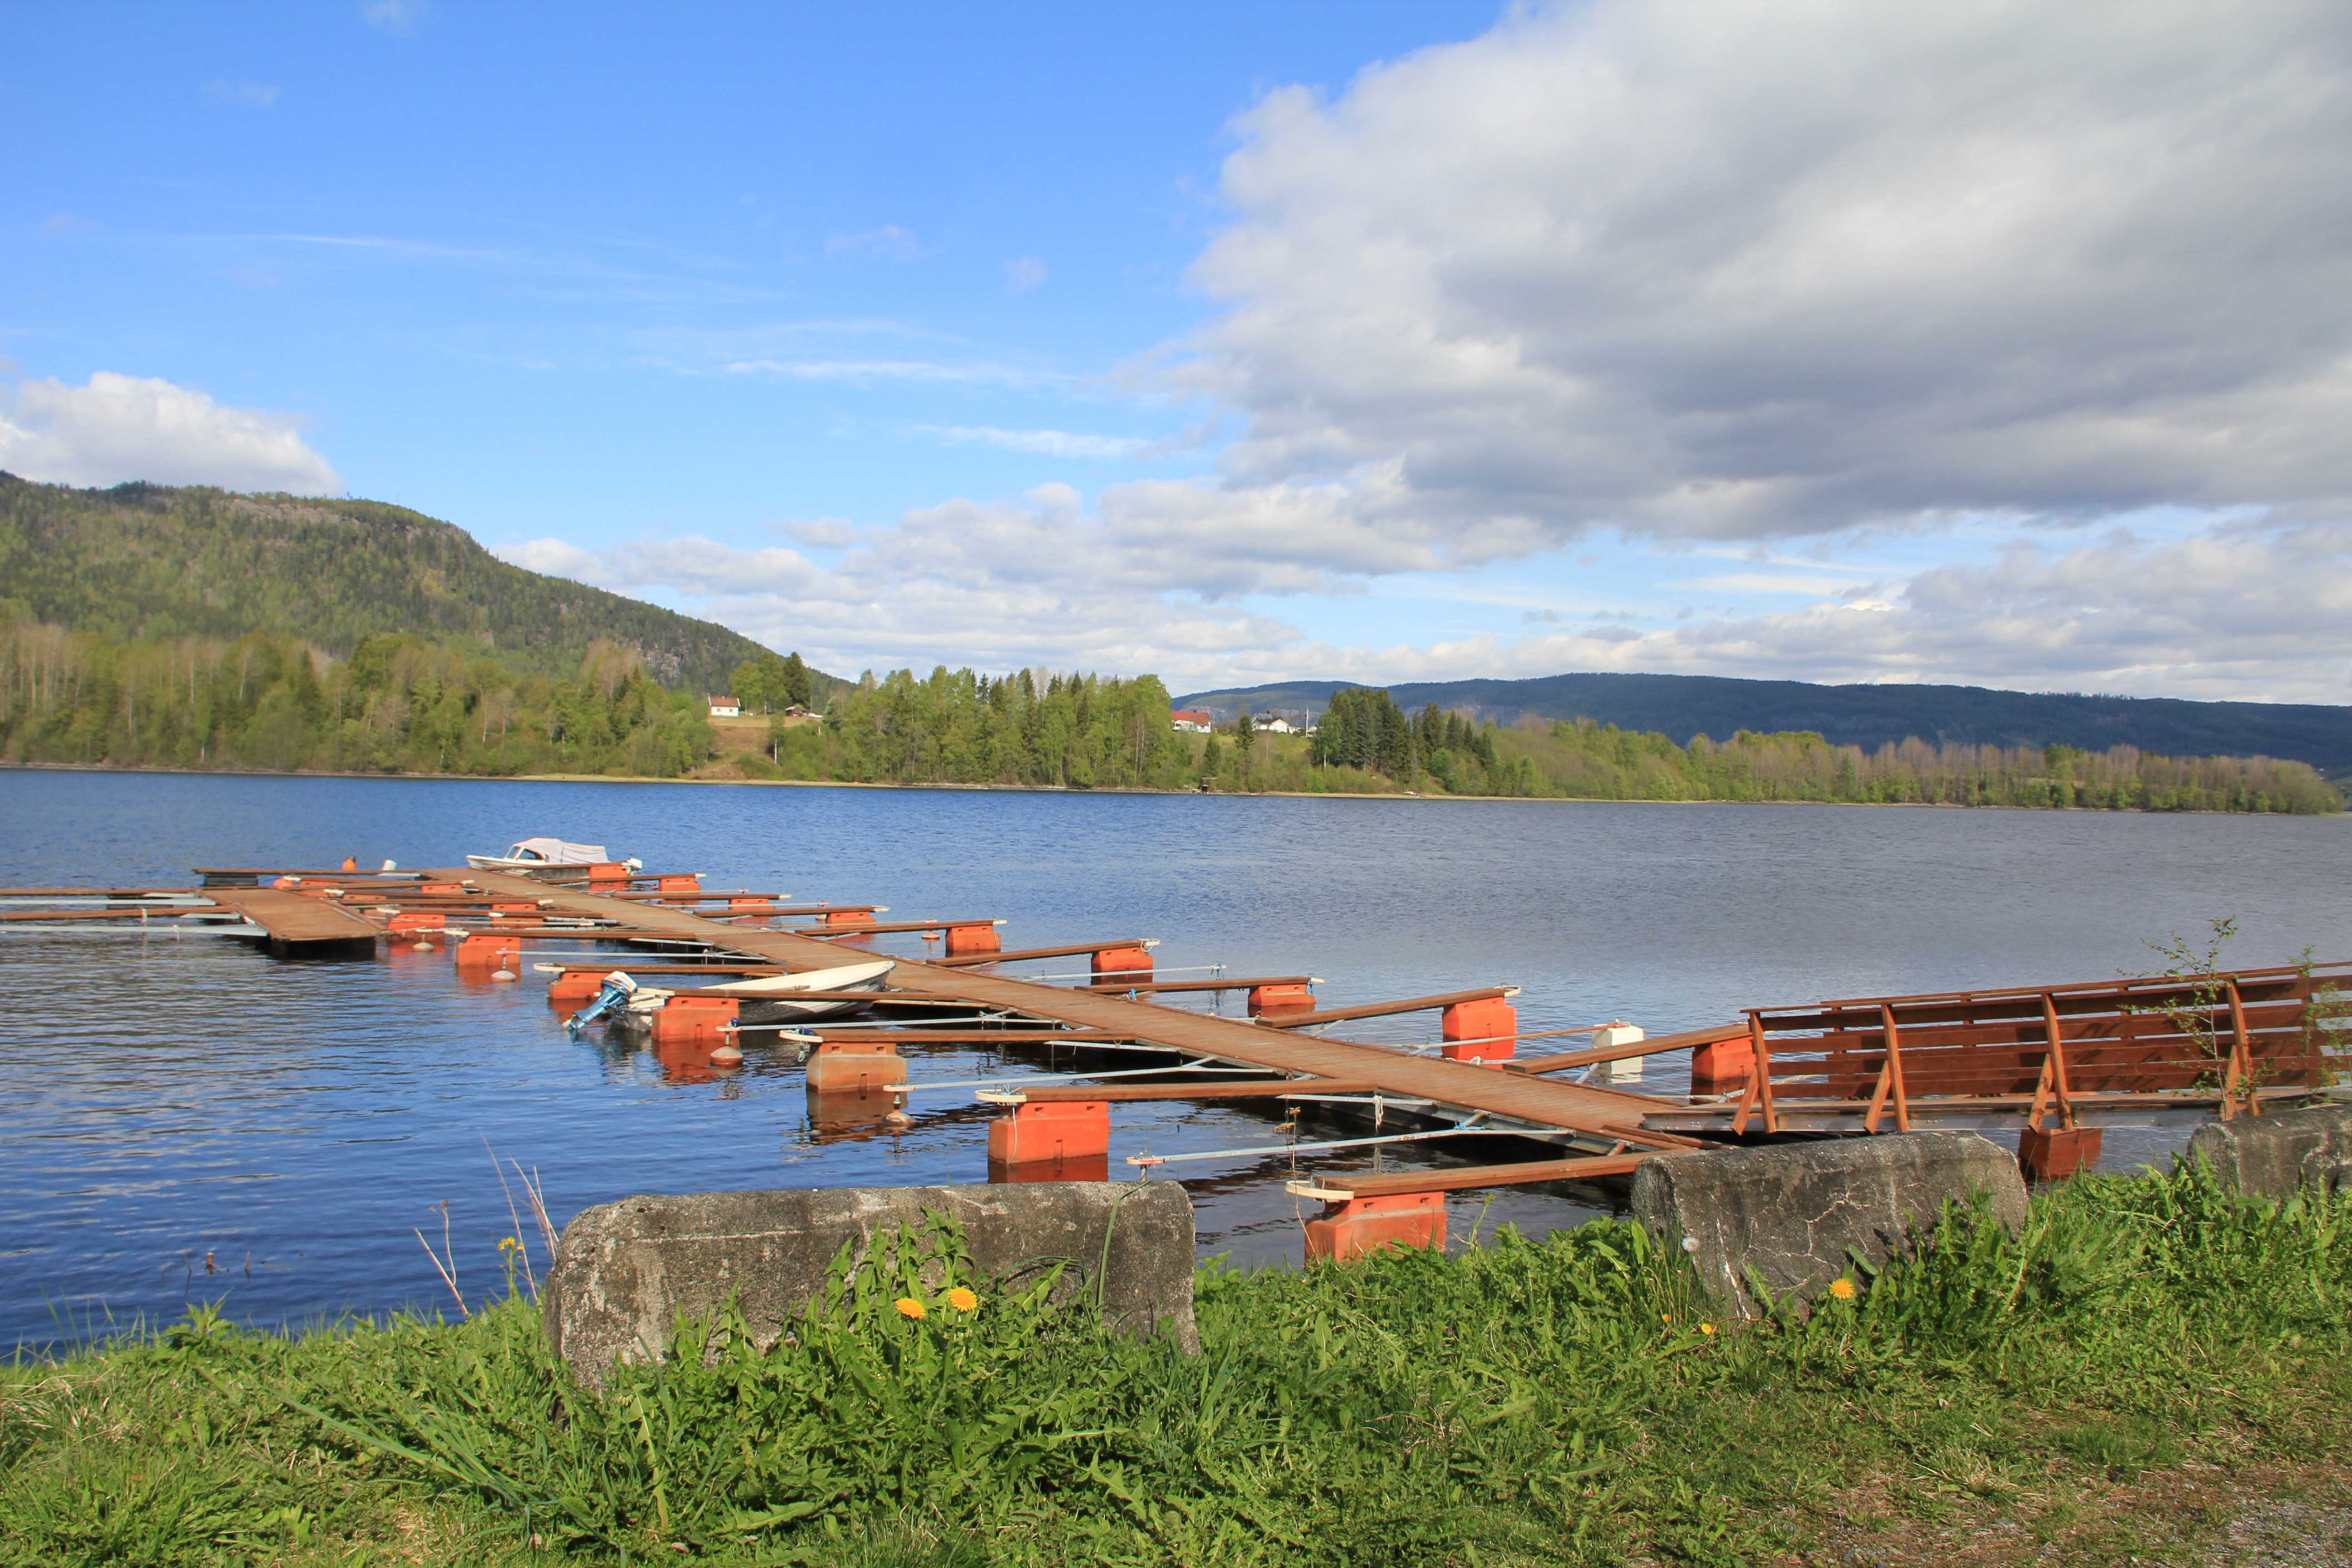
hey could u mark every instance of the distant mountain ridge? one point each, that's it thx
(1681, 706)
(153, 561)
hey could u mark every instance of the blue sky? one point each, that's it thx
(1239, 342)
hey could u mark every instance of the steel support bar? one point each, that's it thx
(1288, 1020)
(928, 1037)
(864, 928)
(1211, 1089)
(1142, 986)
(974, 960)
(1464, 1178)
(1688, 1041)
(1146, 1162)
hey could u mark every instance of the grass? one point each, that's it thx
(1523, 1403)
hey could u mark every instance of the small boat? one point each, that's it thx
(800, 998)
(535, 854)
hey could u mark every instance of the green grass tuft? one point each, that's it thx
(1523, 1403)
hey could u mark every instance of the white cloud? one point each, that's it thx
(871, 370)
(395, 16)
(1731, 269)
(889, 242)
(1043, 443)
(993, 584)
(1962, 284)
(251, 94)
(1023, 273)
(560, 557)
(121, 427)
(820, 532)
(2240, 610)
(1770, 583)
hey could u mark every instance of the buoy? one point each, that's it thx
(897, 1118)
(502, 974)
(931, 936)
(350, 863)
(422, 947)
(727, 1056)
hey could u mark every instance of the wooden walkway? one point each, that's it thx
(298, 925)
(1604, 1116)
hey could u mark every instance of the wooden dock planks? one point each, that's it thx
(1517, 1098)
(297, 923)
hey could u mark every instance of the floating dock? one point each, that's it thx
(2055, 1062)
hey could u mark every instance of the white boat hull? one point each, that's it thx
(802, 998)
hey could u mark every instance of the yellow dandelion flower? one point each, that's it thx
(1706, 1328)
(909, 1307)
(963, 1300)
(1843, 1289)
(1665, 1317)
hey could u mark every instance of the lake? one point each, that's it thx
(187, 1119)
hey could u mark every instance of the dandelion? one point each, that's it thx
(963, 1300)
(1843, 1289)
(1707, 1329)
(909, 1307)
(1665, 1317)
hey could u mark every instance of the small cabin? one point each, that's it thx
(1191, 721)
(726, 708)
(1273, 726)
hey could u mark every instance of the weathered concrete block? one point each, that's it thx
(1790, 1210)
(2274, 1156)
(624, 1271)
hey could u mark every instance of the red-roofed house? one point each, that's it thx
(1191, 721)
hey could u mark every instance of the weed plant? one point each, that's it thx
(1565, 1401)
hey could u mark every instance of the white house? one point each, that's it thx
(726, 708)
(1277, 726)
(1191, 721)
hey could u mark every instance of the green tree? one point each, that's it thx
(748, 686)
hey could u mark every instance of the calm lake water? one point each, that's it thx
(165, 1102)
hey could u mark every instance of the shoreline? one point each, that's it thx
(1399, 796)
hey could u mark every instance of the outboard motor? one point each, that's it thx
(617, 991)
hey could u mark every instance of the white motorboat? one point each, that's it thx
(800, 998)
(538, 854)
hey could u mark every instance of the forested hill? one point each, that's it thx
(1682, 706)
(144, 562)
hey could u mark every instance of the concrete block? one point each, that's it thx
(1608, 1037)
(1790, 1210)
(624, 1271)
(2274, 1156)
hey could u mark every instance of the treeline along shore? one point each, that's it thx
(402, 704)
